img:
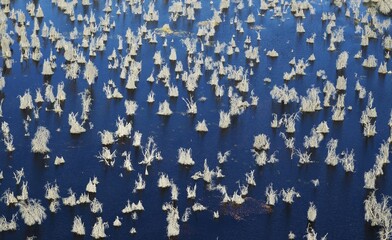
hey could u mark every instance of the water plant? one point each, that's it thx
(40, 141)
(32, 212)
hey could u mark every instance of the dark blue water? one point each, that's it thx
(339, 197)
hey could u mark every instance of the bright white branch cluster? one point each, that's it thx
(284, 94)
(40, 141)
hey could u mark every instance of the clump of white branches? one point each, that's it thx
(164, 109)
(367, 118)
(304, 157)
(311, 234)
(129, 208)
(332, 158)
(140, 184)
(284, 94)
(369, 129)
(86, 104)
(47, 69)
(173, 228)
(71, 199)
(252, 53)
(379, 214)
(8, 139)
(371, 111)
(237, 198)
(40, 141)
(382, 158)
(275, 123)
(289, 122)
(382, 69)
(107, 137)
(198, 207)
(107, 89)
(61, 95)
(187, 213)
(38, 96)
(164, 181)
(130, 107)
(84, 198)
(123, 128)
(261, 142)
(91, 186)
(313, 141)
(18, 175)
(387, 43)
(52, 191)
(254, 99)
(311, 102)
(174, 191)
(322, 128)
(96, 206)
(117, 222)
(26, 101)
(347, 160)
(127, 165)
(250, 178)
(173, 91)
(289, 194)
(185, 157)
(49, 95)
(24, 195)
(223, 191)
(8, 225)
(329, 92)
(341, 62)
(107, 156)
(191, 106)
(289, 143)
(300, 67)
(370, 62)
(341, 83)
(9, 198)
(338, 113)
(222, 157)
(137, 139)
(76, 127)
(224, 119)
(272, 53)
(90, 72)
(72, 70)
(312, 212)
(78, 226)
(337, 35)
(32, 212)
(99, 229)
(151, 97)
(52, 194)
(237, 105)
(201, 126)
(150, 152)
(271, 195)
(191, 192)
(206, 174)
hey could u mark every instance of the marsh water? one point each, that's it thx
(338, 198)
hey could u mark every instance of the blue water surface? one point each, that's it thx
(339, 197)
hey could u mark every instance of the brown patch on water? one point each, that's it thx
(250, 207)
